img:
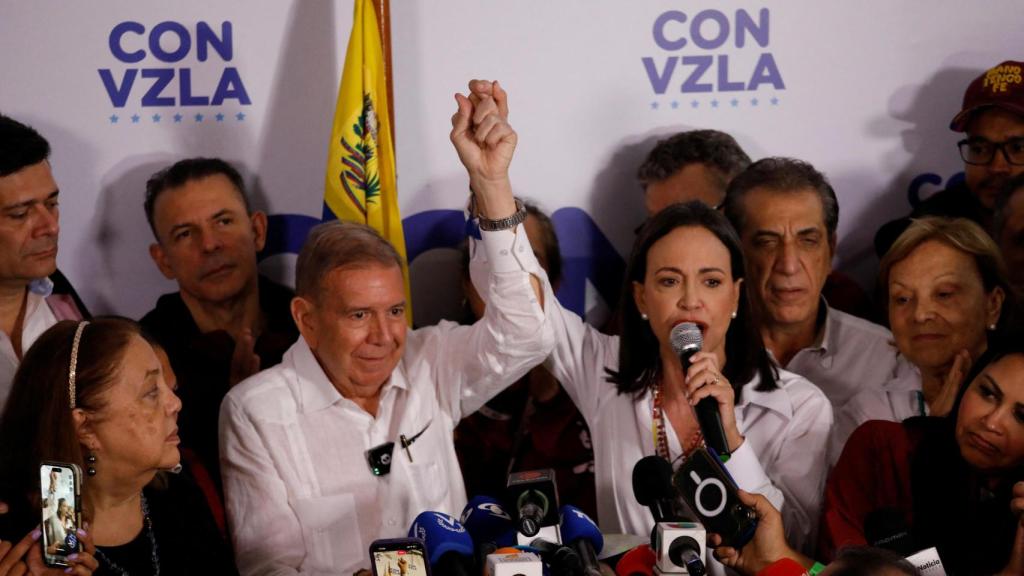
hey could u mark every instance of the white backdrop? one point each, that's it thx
(863, 90)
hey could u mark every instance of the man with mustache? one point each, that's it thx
(225, 322)
(33, 294)
(992, 118)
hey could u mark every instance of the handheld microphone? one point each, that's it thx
(533, 496)
(652, 487)
(514, 563)
(583, 536)
(686, 341)
(680, 548)
(449, 547)
(563, 560)
(489, 525)
(886, 528)
(927, 562)
(639, 561)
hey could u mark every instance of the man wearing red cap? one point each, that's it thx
(992, 119)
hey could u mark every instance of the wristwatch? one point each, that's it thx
(504, 223)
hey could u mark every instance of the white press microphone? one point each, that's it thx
(680, 547)
(927, 562)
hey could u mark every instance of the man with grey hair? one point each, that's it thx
(692, 165)
(350, 437)
(786, 214)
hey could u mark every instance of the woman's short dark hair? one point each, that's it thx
(37, 424)
(639, 353)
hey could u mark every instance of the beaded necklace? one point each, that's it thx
(658, 429)
(154, 553)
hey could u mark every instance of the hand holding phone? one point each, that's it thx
(61, 515)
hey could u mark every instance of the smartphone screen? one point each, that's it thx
(711, 493)
(399, 557)
(59, 491)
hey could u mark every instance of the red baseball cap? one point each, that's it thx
(1002, 86)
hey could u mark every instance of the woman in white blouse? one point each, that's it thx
(687, 266)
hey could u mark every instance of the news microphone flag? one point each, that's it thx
(361, 182)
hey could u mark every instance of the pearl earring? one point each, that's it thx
(733, 315)
(992, 327)
(644, 316)
(91, 461)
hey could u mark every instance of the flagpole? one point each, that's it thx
(383, 10)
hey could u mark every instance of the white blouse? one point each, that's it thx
(782, 457)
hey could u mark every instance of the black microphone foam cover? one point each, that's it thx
(652, 481)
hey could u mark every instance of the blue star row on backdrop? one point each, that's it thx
(177, 118)
(717, 102)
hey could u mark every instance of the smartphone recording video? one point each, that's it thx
(59, 485)
(399, 557)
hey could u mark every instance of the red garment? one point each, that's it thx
(872, 473)
(556, 437)
(784, 567)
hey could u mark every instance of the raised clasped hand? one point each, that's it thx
(485, 143)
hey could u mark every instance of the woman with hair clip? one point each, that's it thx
(93, 394)
(687, 266)
(953, 482)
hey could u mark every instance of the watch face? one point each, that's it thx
(379, 458)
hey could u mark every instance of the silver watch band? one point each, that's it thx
(504, 223)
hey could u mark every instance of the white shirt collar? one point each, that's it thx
(771, 400)
(315, 389)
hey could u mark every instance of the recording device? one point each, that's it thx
(686, 341)
(60, 485)
(448, 545)
(581, 534)
(533, 496)
(652, 487)
(887, 528)
(928, 562)
(489, 525)
(514, 564)
(710, 492)
(399, 557)
(639, 561)
(680, 548)
(561, 560)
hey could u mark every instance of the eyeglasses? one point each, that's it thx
(981, 152)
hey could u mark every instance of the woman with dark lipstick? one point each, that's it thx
(687, 266)
(955, 481)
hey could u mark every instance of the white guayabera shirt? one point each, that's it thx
(300, 496)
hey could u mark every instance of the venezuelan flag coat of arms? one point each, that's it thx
(361, 183)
